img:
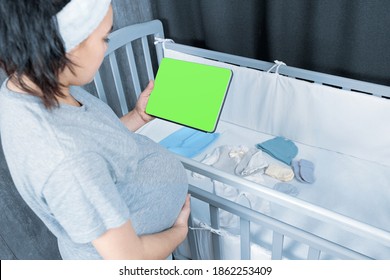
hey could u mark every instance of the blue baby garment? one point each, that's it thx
(280, 148)
(304, 171)
(188, 142)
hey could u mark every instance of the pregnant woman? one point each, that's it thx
(104, 191)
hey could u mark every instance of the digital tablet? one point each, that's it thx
(188, 93)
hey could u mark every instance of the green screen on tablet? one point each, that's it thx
(187, 93)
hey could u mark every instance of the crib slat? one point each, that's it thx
(193, 241)
(245, 239)
(270, 223)
(133, 69)
(148, 60)
(159, 50)
(118, 83)
(99, 87)
(214, 218)
(277, 245)
(313, 254)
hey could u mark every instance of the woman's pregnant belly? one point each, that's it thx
(158, 191)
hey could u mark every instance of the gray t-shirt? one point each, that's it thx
(83, 172)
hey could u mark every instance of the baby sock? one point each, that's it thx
(295, 167)
(278, 172)
(304, 171)
(286, 188)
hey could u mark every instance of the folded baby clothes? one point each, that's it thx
(280, 148)
(239, 160)
(225, 157)
(281, 173)
(188, 142)
(253, 162)
(245, 162)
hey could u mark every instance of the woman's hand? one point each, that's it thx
(138, 117)
(182, 219)
(140, 106)
(123, 242)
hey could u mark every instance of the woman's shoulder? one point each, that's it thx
(11, 100)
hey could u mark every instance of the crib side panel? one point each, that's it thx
(316, 245)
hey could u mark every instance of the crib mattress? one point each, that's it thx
(347, 185)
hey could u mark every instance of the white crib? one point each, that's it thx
(340, 124)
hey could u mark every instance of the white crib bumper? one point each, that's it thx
(343, 121)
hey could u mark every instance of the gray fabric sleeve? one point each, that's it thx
(82, 196)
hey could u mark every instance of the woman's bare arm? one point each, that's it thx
(123, 243)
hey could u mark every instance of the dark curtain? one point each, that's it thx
(342, 37)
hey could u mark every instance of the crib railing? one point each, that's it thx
(124, 38)
(280, 229)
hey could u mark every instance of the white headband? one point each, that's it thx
(79, 18)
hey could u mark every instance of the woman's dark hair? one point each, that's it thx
(31, 46)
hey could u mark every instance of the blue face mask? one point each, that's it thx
(188, 142)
